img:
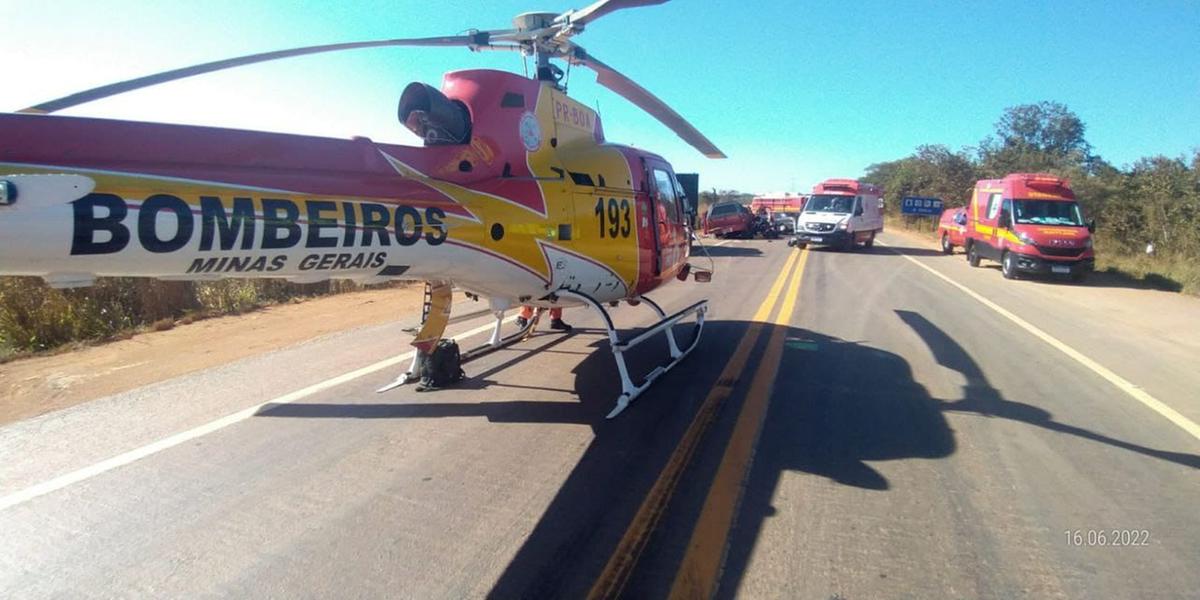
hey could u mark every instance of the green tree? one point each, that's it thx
(1164, 191)
(1045, 136)
(933, 170)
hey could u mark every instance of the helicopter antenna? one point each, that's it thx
(566, 78)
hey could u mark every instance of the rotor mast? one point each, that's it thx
(538, 33)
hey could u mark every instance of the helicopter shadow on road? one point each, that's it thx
(979, 397)
(853, 404)
(834, 410)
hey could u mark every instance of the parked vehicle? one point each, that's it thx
(784, 223)
(841, 213)
(1029, 223)
(779, 202)
(729, 219)
(952, 229)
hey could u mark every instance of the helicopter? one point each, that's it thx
(514, 195)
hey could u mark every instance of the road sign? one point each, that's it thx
(913, 205)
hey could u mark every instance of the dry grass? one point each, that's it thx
(36, 318)
(1169, 273)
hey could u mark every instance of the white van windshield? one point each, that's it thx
(830, 204)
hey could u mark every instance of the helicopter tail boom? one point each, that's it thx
(88, 197)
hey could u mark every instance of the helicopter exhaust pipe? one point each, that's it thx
(438, 120)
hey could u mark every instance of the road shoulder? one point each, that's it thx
(38, 385)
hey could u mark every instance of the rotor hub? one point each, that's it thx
(534, 20)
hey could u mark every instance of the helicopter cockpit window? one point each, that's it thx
(685, 203)
(664, 188)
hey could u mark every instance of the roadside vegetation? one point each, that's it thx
(1153, 202)
(35, 317)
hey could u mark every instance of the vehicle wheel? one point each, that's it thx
(870, 243)
(1008, 265)
(801, 245)
(947, 247)
(972, 255)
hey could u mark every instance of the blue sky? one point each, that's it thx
(793, 92)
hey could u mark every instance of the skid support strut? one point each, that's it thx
(435, 315)
(435, 307)
(630, 390)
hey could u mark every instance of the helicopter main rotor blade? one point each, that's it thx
(475, 40)
(600, 8)
(643, 99)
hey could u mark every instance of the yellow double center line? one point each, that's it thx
(698, 573)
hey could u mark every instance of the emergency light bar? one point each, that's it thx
(1045, 181)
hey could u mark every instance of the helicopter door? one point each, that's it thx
(670, 227)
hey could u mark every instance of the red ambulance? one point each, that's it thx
(1029, 223)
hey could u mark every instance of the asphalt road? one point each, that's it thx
(852, 425)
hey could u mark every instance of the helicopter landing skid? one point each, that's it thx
(495, 343)
(630, 390)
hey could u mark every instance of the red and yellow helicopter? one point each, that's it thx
(515, 196)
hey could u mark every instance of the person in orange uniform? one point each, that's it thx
(556, 321)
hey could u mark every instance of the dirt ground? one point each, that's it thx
(33, 386)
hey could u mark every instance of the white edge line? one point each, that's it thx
(136, 454)
(1121, 383)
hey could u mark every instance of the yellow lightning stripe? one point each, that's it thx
(523, 226)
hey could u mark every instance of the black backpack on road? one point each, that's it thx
(443, 367)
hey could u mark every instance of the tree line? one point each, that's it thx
(1155, 200)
